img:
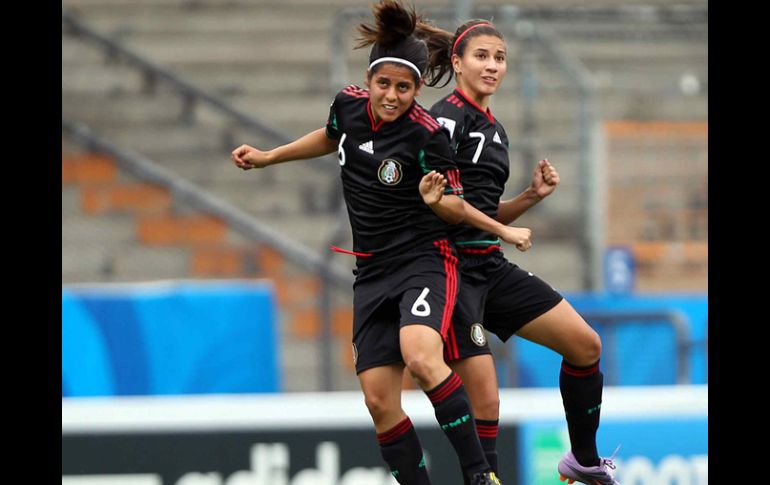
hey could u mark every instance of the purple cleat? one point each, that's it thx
(486, 478)
(572, 471)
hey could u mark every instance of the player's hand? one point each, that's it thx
(518, 236)
(545, 178)
(248, 157)
(432, 187)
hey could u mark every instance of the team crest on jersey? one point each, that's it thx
(390, 172)
(355, 354)
(477, 334)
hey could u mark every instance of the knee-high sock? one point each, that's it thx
(487, 430)
(400, 447)
(453, 412)
(581, 393)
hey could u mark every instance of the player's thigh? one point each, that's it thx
(563, 330)
(516, 297)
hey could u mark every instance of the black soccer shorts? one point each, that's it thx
(498, 296)
(414, 288)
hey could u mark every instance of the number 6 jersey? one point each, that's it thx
(381, 168)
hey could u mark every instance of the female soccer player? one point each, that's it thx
(495, 293)
(406, 279)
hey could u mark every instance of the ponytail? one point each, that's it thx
(392, 39)
(394, 23)
(439, 44)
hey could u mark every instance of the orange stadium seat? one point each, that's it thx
(168, 230)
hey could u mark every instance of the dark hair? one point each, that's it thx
(440, 45)
(392, 35)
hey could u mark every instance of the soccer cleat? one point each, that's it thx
(486, 478)
(571, 471)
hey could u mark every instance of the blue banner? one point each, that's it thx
(659, 451)
(169, 338)
(634, 353)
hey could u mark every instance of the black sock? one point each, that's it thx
(487, 431)
(400, 447)
(581, 393)
(453, 412)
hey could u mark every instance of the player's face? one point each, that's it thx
(482, 66)
(391, 91)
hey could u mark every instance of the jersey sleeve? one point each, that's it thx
(437, 156)
(451, 120)
(333, 130)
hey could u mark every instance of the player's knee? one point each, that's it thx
(589, 350)
(421, 366)
(487, 407)
(379, 406)
(594, 347)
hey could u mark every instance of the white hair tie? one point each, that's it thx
(398, 60)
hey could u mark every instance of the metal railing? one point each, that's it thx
(611, 319)
(153, 73)
(190, 93)
(189, 194)
(315, 260)
(590, 161)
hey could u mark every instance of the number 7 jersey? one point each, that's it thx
(480, 147)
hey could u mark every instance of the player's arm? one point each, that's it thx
(314, 144)
(545, 178)
(450, 208)
(432, 192)
(518, 236)
(441, 183)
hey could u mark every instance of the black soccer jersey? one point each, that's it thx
(480, 148)
(381, 167)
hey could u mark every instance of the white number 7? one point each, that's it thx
(482, 139)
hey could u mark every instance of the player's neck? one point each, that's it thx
(481, 101)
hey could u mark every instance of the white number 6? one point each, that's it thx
(421, 308)
(340, 150)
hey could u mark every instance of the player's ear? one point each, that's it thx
(456, 63)
(367, 77)
(419, 87)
